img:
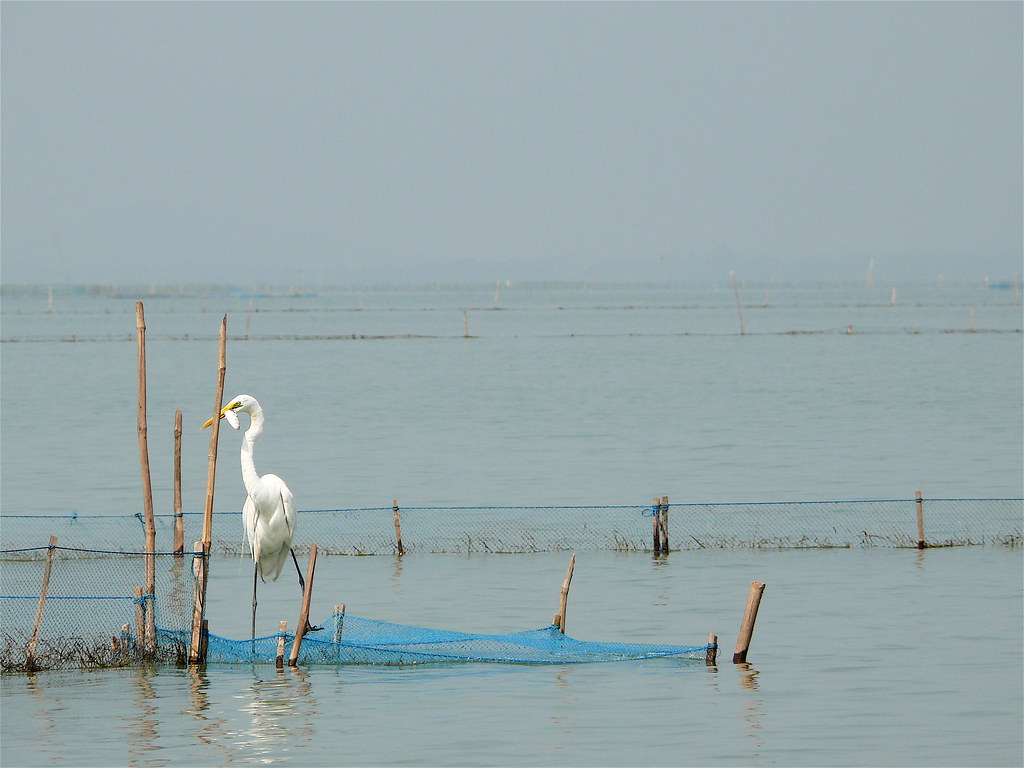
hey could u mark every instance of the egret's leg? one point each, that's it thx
(255, 569)
(302, 581)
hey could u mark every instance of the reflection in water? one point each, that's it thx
(47, 713)
(211, 729)
(562, 718)
(282, 710)
(752, 706)
(919, 560)
(144, 719)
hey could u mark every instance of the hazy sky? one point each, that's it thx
(331, 142)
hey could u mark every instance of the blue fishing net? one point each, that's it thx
(352, 640)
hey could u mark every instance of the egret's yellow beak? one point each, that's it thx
(228, 409)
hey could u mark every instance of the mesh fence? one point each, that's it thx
(84, 609)
(96, 614)
(516, 529)
(91, 615)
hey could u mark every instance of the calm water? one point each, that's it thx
(562, 395)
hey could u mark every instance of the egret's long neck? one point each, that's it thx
(249, 474)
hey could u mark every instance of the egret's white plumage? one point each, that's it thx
(268, 514)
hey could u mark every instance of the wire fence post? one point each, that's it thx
(663, 523)
(656, 528)
(147, 484)
(30, 655)
(921, 543)
(398, 528)
(179, 520)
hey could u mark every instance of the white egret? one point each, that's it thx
(268, 515)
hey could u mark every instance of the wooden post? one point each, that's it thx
(211, 473)
(712, 654)
(279, 661)
(147, 486)
(300, 630)
(656, 527)
(398, 529)
(564, 598)
(30, 656)
(199, 569)
(921, 543)
(205, 638)
(663, 523)
(179, 520)
(339, 611)
(140, 622)
(196, 654)
(749, 617)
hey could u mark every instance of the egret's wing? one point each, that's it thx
(249, 517)
(288, 501)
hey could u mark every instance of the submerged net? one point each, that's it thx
(352, 640)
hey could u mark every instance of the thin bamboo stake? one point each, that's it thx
(179, 520)
(279, 661)
(749, 617)
(710, 659)
(398, 529)
(655, 526)
(921, 543)
(147, 486)
(140, 621)
(30, 656)
(339, 611)
(300, 630)
(196, 651)
(211, 474)
(564, 598)
(663, 523)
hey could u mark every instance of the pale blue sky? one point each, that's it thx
(335, 142)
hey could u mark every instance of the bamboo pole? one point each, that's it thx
(398, 529)
(196, 650)
(300, 630)
(211, 474)
(749, 617)
(921, 543)
(564, 597)
(196, 653)
(179, 520)
(279, 661)
(663, 523)
(655, 526)
(30, 656)
(140, 622)
(710, 659)
(147, 486)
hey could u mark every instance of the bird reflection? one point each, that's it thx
(282, 711)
